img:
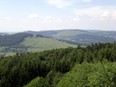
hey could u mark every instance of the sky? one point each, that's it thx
(39, 15)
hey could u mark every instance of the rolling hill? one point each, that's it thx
(35, 44)
(33, 41)
(83, 37)
(24, 42)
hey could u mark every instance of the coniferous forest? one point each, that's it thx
(90, 66)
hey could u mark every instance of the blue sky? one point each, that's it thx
(38, 15)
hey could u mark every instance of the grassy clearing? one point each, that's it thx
(35, 44)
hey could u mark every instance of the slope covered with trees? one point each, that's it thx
(91, 66)
(11, 40)
(24, 42)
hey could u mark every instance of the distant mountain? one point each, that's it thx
(32, 41)
(44, 33)
(111, 34)
(2, 34)
(79, 36)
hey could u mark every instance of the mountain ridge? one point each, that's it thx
(83, 37)
(78, 36)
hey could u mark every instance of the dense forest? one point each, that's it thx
(90, 66)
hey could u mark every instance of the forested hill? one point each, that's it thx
(11, 40)
(91, 66)
(24, 42)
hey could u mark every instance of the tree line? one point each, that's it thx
(13, 40)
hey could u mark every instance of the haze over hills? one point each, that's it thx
(79, 36)
(33, 41)
(83, 37)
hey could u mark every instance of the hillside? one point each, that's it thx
(24, 42)
(32, 41)
(83, 37)
(91, 66)
(35, 44)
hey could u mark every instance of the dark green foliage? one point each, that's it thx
(51, 65)
(51, 80)
(37, 82)
(90, 75)
(12, 40)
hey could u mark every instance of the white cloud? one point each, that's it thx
(97, 17)
(33, 16)
(97, 13)
(60, 3)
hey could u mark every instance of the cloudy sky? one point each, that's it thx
(23, 15)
